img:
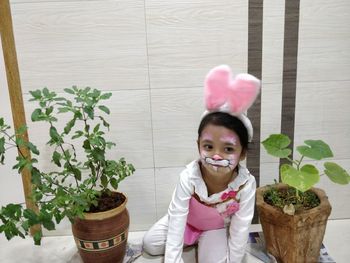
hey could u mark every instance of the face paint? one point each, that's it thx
(216, 164)
(229, 139)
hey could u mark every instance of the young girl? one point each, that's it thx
(213, 203)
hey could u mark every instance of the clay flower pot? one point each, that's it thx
(296, 238)
(102, 237)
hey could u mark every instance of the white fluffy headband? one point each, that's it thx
(223, 93)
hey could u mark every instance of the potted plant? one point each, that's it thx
(294, 214)
(81, 185)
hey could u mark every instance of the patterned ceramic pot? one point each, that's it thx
(102, 237)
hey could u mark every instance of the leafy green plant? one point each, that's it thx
(78, 179)
(298, 175)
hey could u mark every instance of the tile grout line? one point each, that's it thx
(151, 109)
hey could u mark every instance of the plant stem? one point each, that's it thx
(301, 159)
(292, 161)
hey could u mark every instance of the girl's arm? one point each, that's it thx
(178, 210)
(240, 222)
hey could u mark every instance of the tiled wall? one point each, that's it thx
(153, 54)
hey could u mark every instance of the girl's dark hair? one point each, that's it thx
(228, 121)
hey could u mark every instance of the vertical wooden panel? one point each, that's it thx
(255, 33)
(15, 91)
(290, 60)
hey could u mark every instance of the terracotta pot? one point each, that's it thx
(101, 237)
(297, 238)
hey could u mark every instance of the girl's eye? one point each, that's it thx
(207, 147)
(229, 149)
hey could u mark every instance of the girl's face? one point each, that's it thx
(220, 149)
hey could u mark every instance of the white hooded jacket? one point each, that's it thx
(191, 182)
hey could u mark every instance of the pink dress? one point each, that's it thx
(201, 218)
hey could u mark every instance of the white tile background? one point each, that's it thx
(153, 56)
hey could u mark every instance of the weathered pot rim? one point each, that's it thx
(108, 213)
(324, 202)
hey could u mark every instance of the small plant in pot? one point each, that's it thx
(294, 214)
(83, 182)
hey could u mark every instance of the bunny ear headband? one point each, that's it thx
(223, 93)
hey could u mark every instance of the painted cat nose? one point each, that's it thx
(217, 157)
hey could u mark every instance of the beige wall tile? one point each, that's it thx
(324, 40)
(60, 44)
(176, 115)
(141, 192)
(268, 173)
(186, 39)
(166, 181)
(322, 112)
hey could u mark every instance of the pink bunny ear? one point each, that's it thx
(243, 93)
(217, 85)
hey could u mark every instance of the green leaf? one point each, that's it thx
(316, 150)
(106, 96)
(36, 115)
(56, 158)
(114, 183)
(70, 91)
(33, 148)
(49, 110)
(54, 135)
(336, 173)
(77, 173)
(36, 94)
(2, 145)
(104, 180)
(37, 238)
(98, 154)
(97, 127)
(77, 134)
(2, 122)
(104, 108)
(46, 92)
(86, 145)
(31, 216)
(48, 224)
(302, 180)
(276, 145)
(69, 126)
(36, 176)
(89, 111)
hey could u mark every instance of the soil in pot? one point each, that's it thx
(281, 197)
(107, 202)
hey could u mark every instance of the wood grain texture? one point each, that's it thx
(16, 99)
(290, 64)
(188, 38)
(255, 31)
(272, 53)
(91, 43)
(255, 68)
